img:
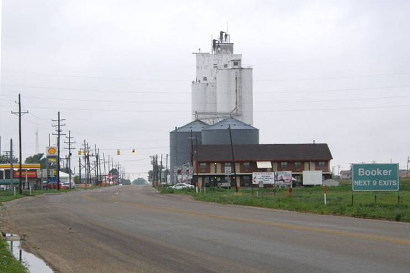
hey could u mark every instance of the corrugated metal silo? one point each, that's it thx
(180, 144)
(242, 133)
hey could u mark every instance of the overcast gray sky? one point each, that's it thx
(120, 72)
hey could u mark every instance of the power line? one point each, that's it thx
(177, 80)
(152, 92)
(189, 103)
(93, 77)
(166, 112)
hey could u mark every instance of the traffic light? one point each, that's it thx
(118, 152)
(79, 152)
(133, 151)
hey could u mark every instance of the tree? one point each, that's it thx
(150, 175)
(140, 181)
(126, 182)
(113, 171)
(5, 159)
(37, 158)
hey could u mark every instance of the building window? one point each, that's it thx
(236, 63)
(246, 166)
(202, 167)
(284, 165)
(321, 165)
(205, 79)
(225, 65)
(215, 66)
(246, 181)
(298, 166)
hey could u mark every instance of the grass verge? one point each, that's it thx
(7, 262)
(380, 205)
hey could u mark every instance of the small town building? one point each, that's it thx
(346, 174)
(216, 164)
(30, 174)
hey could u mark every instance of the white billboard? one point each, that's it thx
(312, 177)
(263, 177)
(283, 178)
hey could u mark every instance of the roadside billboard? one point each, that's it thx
(263, 178)
(375, 177)
(311, 178)
(283, 178)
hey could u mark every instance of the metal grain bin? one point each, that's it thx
(242, 133)
(180, 144)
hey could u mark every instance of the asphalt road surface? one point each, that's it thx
(135, 229)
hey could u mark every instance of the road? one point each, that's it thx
(136, 229)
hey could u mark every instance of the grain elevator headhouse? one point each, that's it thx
(223, 84)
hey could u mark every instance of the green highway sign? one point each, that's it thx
(375, 177)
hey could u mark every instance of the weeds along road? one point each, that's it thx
(135, 229)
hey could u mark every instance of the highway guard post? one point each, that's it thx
(376, 177)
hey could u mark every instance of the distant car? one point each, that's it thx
(67, 185)
(180, 186)
(54, 186)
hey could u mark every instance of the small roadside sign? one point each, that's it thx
(263, 177)
(375, 177)
(228, 170)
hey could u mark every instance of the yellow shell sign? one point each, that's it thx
(51, 151)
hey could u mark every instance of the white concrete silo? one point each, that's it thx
(228, 91)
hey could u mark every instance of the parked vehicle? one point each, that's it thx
(54, 186)
(180, 186)
(67, 184)
(224, 185)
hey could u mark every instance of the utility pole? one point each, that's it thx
(192, 149)
(89, 163)
(233, 158)
(157, 169)
(96, 164)
(37, 145)
(118, 171)
(99, 167)
(166, 168)
(58, 126)
(20, 148)
(408, 161)
(11, 161)
(85, 162)
(105, 170)
(79, 169)
(196, 162)
(69, 154)
(176, 157)
(160, 172)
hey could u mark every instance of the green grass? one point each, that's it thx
(310, 199)
(7, 262)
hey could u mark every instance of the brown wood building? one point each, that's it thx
(214, 164)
